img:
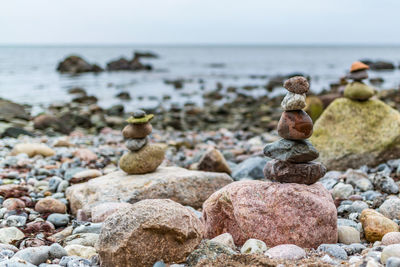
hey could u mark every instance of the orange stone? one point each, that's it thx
(356, 66)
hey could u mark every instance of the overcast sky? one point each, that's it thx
(199, 21)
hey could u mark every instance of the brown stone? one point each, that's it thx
(137, 131)
(13, 204)
(276, 213)
(376, 225)
(356, 66)
(145, 160)
(85, 176)
(297, 85)
(13, 190)
(85, 155)
(287, 172)
(50, 205)
(149, 231)
(213, 161)
(100, 212)
(295, 125)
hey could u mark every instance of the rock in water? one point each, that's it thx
(295, 125)
(143, 161)
(294, 101)
(183, 186)
(301, 173)
(275, 213)
(350, 134)
(291, 150)
(149, 231)
(358, 91)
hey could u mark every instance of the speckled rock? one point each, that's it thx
(33, 149)
(148, 231)
(391, 238)
(293, 101)
(253, 246)
(181, 185)
(391, 208)
(358, 91)
(100, 212)
(287, 172)
(297, 85)
(256, 209)
(136, 144)
(225, 239)
(145, 160)
(342, 147)
(297, 151)
(213, 161)
(342, 191)
(286, 252)
(137, 131)
(376, 225)
(295, 125)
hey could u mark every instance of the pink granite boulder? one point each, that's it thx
(275, 213)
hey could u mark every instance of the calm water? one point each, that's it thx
(27, 74)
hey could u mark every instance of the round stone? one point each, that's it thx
(287, 172)
(390, 251)
(137, 131)
(298, 151)
(295, 125)
(294, 101)
(136, 144)
(348, 235)
(286, 252)
(391, 238)
(143, 161)
(297, 85)
(138, 113)
(376, 225)
(358, 91)
(358, 75)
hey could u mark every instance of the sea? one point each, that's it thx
(28, 73)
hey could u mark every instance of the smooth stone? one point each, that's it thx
(56, 251)
(138, 113)
(300, 173)
(34, 255)
(80, 251)
(213, 161)
(137, 131)
(13, 204)
(333, 250)
(225, 239)
(15, 262)
(297, 151)
(348, 235)
(251, 168)
(253, 246)
(86, 239)
(293, 101)
(149, 231)
(167, 182)
(393, 262)
(260, 210)
(295, 125)
(390, 251)
(357, 206)
(84, 176)
(376, 225)
(50, 205)
(391, 238)
(391, 208)
(286, 252)
(94, 228)
(359, 180)
(15, 220)
(297, 85)
(143, 161)
(54, 182)
(355, 248)
(358, 91)
(32, 149)
(347, 222)
(342, 191)
(58, 219)
(136, 144)
(358, 75)
(10, 234)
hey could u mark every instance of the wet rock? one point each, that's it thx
(147, 232)
(50, 205)
(379, 65)
(32, 149)
(286, 252)
(213, 161)
(146, 160)
(253, 246)
(250, 168)
(281, 201)
(295, 125)
(75, 64)
(125, 64)
(291, 150)
(183, 186)
(376, 225)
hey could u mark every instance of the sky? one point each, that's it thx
(199, 22)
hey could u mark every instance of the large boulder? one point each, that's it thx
(276, 213)
(183, 186)
(75, 64)
(350, 134)
(149, 231)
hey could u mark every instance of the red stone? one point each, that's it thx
(287, 172)
(295, 125)
(276, 213)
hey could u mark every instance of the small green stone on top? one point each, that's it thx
(144, 119)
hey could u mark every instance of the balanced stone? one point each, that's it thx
(294, 101)
(358, 75)
(358, 91)
(297, 85)
(143, 161)
(357, 66)
(301, 173)
(138, 113)
(297, 151)
(136, 144)
(295, 125)
(137, 131)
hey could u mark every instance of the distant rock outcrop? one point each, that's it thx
(75, 64)
(132, 65)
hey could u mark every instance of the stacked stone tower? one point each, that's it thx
(357, 90)
(293, 155)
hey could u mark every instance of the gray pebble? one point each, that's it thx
(88, 228)
(56, 251)
(393, 262)
(58, 219)
(333, 250)
(15, 220)
(34, 255)
(54, 182)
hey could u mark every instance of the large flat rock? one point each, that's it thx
(181, 185)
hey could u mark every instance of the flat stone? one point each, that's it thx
(85, 252)
(295, 125)
(358, 75)
(137, 131)
(145, 160)
(138, 113)
(32, 149)
(136, 144)
(358, 91)
(84, 176)
(293, 101)
(181, 185)
(286, 252)
(297, 85)
(287, 172)
(297, 151)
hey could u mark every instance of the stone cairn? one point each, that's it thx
(292, 156)
(142, 156)
(357, 90)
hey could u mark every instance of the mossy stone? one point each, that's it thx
(350, 134)
(358, 91)
(144, 119)
(314, 107)
(145, 160)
